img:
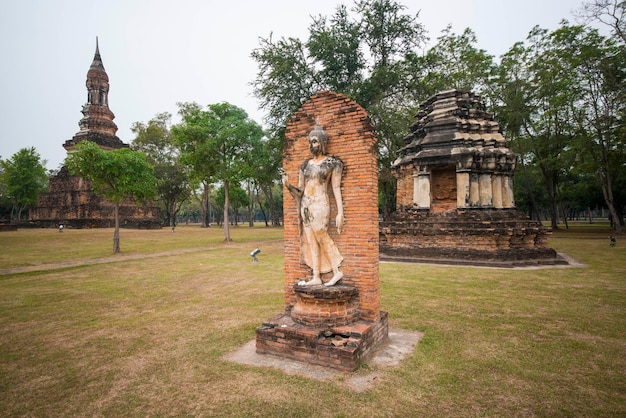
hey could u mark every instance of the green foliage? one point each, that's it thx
(24, 177)
(361, 56)
(154, 139)
(116, 174)
(334, 45)
(218, 144)
(389, 34)
(174, 185)
(373, 57)
(562, 104)
(238, 197)
(454, 62)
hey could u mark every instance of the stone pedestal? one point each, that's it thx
(323, 328)
(342, 347)
(321, 306)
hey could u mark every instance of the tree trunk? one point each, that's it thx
(172, 212)
(269, 197)
(554, 215)
(204, 207)
(250, 205)
(116, 233)
(226, 204)
(616, 220)
(565, 219)
(262, 210)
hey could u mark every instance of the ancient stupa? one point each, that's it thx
(70, 200)
(455, 199)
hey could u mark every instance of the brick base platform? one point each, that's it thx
(489, 237)
(325, 306)
(343, 347)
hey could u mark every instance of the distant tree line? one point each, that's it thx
(22, 178)
(214, 164)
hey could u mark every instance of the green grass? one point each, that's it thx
(146, 336)
(50, 246)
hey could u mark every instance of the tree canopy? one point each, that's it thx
(24, 177)
(174, 186)
(372, 55)
(558, 95)
(561, 98)
(117, 175)
(218, 144)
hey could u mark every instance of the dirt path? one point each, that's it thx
(121, 257)
(102, 260)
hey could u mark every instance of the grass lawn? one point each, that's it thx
(144, 332)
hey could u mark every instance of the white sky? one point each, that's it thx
(160, 52)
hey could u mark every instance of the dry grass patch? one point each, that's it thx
(27, 247)
(147, 336)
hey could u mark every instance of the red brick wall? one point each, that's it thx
(351, 138)
(404, 189)
(443, 189)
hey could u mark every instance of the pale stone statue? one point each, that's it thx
(317, 248)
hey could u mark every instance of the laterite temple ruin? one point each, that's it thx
(455, 192)
(70, 200)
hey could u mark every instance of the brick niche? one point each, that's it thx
(332, 330)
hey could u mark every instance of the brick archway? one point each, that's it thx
(351, 138)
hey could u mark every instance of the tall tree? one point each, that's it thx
(455, 62)
(600, 67)
(265, 174)
(24, 177)
(611, 13)
(334, 46)
(218, 144)
(191, 138)
(117, 175)
(154, 140)
(563, 96)
(238, 199)
(538, 110)
(369, 56)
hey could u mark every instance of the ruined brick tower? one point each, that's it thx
(455, 192)
(97, 123)
(70, 200)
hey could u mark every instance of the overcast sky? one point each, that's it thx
(160, 52)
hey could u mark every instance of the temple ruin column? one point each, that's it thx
(462, 188)
(474, 190)
(421, 189)
(485, 190)
(508, 200)
(497, 191)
